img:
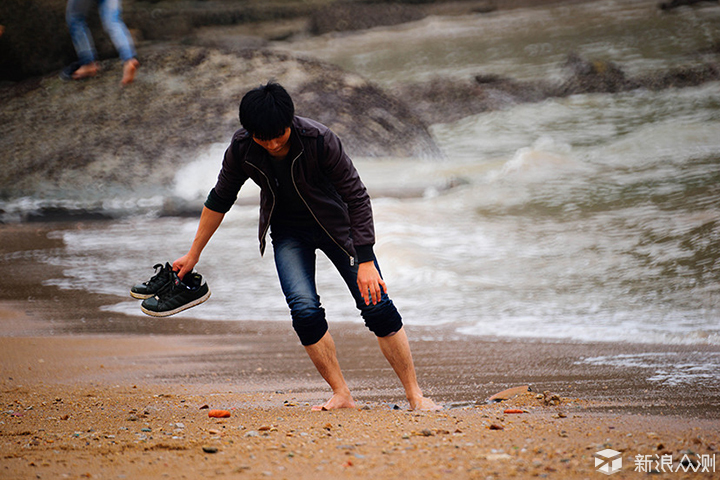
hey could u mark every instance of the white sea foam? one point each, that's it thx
(667, 368)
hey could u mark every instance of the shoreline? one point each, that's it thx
(250, 357)
(456, 369)
(78, 381)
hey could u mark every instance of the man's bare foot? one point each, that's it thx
(86, 71)
(129, 69)
(424, 404)
(336, 401)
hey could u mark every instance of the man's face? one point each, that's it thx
(277, 147)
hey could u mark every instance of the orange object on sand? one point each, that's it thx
(218, 414)
(514, 410)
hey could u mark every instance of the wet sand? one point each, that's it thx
(93, 394)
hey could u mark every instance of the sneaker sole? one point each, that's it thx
(177, 310)
(141, 296)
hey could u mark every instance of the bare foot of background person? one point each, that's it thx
(86, 71)
(129, 69)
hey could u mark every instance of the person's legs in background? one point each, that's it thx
(111, 17)
(76, 17)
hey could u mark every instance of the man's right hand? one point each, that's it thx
(184, 264)
(209, 222)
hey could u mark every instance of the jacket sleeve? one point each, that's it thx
(342, 174)
(231, 178)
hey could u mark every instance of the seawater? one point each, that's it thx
(588, 218)
(525, 44)
(581, 234)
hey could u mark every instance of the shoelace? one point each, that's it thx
(169, 286)
(159, 272)
(174, 285)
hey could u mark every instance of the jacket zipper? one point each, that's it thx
(292, 176)
(272, 208)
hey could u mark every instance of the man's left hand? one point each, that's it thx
(370, 283)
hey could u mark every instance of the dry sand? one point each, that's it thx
(91, 394)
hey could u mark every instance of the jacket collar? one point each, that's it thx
(258, 156)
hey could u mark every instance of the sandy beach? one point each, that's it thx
(91, 394)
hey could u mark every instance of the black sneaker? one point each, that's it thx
(177, 295)
(147, 289)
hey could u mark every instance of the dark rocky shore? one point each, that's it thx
(93, 134)
(65, 139)
(444, 100)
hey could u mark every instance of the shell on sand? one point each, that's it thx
(509, 393)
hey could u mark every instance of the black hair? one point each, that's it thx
(266, 111)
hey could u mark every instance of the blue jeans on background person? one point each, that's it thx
(110, 15)
(294, 250)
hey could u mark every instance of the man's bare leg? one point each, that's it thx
(324, 357)
(396, 349)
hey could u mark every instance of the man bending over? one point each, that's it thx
(311, 199)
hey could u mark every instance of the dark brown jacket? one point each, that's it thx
(328, 183)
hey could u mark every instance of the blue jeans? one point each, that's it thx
(294, 249)
(110, 11)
